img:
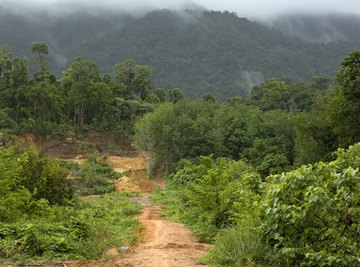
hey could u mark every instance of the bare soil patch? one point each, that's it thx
(69, 147)
(134, 170)
(162, 243)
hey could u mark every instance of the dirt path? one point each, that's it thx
(162, 243)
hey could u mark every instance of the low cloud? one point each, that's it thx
(254, 8)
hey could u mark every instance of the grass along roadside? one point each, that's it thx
(83, 231)
(42, 220)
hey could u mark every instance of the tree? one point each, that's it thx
(315, 139)
(176, 94)
(101, 108)
(273, 94)
(76, 80)
(136, 79)
(345, 106)
(13, 196)
(160, 93)
(209, 98)
(40, 48)
(42, 51)
(321, 82)
(13, 77)
(216, 193)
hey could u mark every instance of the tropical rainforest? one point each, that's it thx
(198, 51)
(270, 177)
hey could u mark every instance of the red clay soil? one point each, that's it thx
(67, 147)
(162, 243)
(135, 172)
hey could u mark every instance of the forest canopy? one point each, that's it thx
(261, 170)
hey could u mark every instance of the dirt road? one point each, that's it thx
(162, 243)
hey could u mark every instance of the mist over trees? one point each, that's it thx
(197, 51)
(320, 28)
(269, 175)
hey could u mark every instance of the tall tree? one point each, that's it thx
(345, 107)
(136, 79)
(273, 94)
(42, 51)
(76, 80)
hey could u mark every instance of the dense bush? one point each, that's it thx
(237, 246)
(216, 194)
(93, 176)
(306, 217)
(25, 176)
(40, 219)
(190, 129)
(311, 215)
(81, 232)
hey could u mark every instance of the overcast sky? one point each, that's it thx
(250, 8)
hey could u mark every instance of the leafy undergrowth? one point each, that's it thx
(82, 231)
(237, 247)
(92, 176)
(40, 217)
(170, 199)
(306, 217)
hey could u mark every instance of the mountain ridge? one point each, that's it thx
(198, 51)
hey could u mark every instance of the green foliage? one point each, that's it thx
(165, 132)
(94, 176)
(172, 201)
(13, 195)
(344, 111)
(82, 98)
(82, 232)
(268, 155)
(312, 214)
(45, 178)
(314, 137)
(26, 175)
(204, 51)
(188, 129)
(40, 48)
(40, 219)
(135, 79)
(307, 217)
(273, 94)
(176, 95)
(237, 247)
(215, 194)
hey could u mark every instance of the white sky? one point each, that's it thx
(252, 8)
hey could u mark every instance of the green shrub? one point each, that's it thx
(171, 200)
(40, 219)
(215, 194)
(81, 232)
(241, 247)
(27, 175)
(94, 176)
(312, 215)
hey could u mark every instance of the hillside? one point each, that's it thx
(197, 51)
